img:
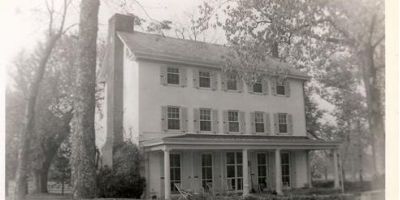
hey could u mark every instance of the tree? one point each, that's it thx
(83, 137)
(306, 33)
(29, 120)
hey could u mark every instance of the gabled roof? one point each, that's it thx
(157, 47)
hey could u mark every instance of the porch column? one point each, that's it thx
(167, 181)
(336, 168)
(308, 160)
(278, 172)
(245, 173)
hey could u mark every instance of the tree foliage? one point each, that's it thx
(123, 180)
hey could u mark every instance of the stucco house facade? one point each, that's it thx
(201, 128)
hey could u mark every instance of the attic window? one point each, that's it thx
(280, 88)
(173, 75)
(232, 81)
(204, 79)
(257, 87)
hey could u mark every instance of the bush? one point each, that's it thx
(123, 180)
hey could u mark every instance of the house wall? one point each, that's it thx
(131, 98)
(153, 95)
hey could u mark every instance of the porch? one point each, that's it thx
(230, 163)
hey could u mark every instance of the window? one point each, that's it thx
(173, 75)
(175, 170)
(173, 118)
(280, 87)
(262, 170)
(206, 171)
(205, 120)
(257, 87)
(233, 121)
(204, 79)
(231, 81)
(259, 122)
(234, 170)
(285, 166)
(283, 126)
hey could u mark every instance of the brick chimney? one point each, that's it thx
(114, 85)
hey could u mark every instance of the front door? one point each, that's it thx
(234, 171)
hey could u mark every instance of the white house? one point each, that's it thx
(201, 128)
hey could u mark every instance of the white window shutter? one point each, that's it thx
(196, 120)
(195, 78)
(253, 122)
(182, 77)
(214, 80)
(164, 119)
(290, 124)
(225, 115)
(242, 121)
(239, 83)
(276, 124)
(287, 88)
(163, 75)
(264, 83)
(250, 88)
(267, 124)
(223, 82)
(184, 119)
(214, 121)
(273, 86)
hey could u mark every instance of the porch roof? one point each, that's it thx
(219, 141)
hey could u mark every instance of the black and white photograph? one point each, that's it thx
(199, 99)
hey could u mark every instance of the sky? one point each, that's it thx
(26, 20)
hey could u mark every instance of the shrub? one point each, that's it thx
(123, 180)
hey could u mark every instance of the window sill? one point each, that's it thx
(283, 134)
(204, 88)
(174, 131)
(258, 93)
(205, 132)
(173, 85)
(233, 91)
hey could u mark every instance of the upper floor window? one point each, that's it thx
(173, 118)
(283, 123)
(232, 81)
(173, 75)
(204, 79)
(233, 121)
(280, 88)
(257, 87)
(259, 122)
(205, 120)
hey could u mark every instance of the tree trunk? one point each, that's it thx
(275, 49)
(375, 107)
(62, 184)
(40, 178)
(29, 121)
(83, 137)
(360, 153)
(6, 182)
